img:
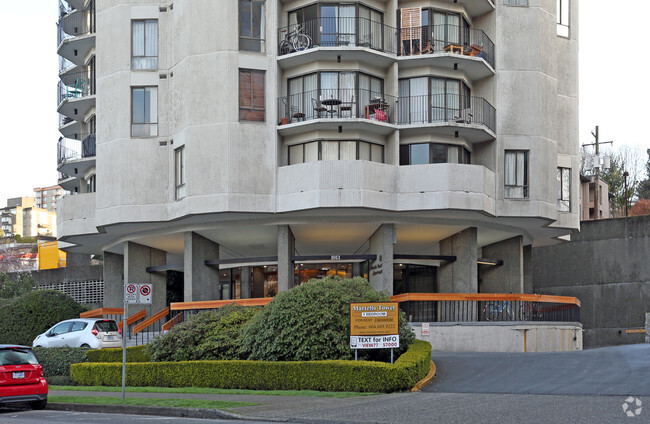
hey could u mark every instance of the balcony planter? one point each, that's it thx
(284, 121)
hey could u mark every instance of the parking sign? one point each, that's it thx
(137, 293)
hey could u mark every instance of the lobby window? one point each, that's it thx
(563, 17)
(564, 189)
(145, 44)
(251, 95)
(335, 150)
(516, 174)
(425, 153)
(179, 172)
(144, 113)
(251, 25)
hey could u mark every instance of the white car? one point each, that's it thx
(95, 333)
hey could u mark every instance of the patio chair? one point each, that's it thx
(318, 108)
(296, 113)
(464, 116)
(347, 107)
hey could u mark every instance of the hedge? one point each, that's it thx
(337, 375)
(57, 360)
(133, 354)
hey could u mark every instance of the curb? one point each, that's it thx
(166, 411)
(426, 380)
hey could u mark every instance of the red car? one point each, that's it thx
(21, 377)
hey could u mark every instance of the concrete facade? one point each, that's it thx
(605, 266)
(245, 192)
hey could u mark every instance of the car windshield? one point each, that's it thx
(17, 356)
(107, 325)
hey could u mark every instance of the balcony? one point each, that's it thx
(69, 128)
(471, 118)
(76, 33)
(448, 47)
(326, 108)
(337, 39)
(74, 159)
(76, 94)
(76, 215)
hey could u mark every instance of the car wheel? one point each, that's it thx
(39, 404)
(87, 346)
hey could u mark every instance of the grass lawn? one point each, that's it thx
(212, 391)
(179, 403)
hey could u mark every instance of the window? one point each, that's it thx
(424, 99)
(251, 25)
(179, 172)
(335, 150)
(425, 153)
(251, 95)
(563, 17)
(144, 49)
(144, 114)
(91, 184)
(564, 189)
(516, 174)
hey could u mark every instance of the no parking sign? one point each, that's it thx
(137, 293)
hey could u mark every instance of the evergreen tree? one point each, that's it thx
(643, 190)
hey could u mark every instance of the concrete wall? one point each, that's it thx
(502, 337)
(606, 266)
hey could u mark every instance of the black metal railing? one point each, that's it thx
(88, 146)
(338, 32)
(446, 39)
(67, 150)
(75, 23)
(76, 85)
(337, 103)
(64, 120)
(446, 108)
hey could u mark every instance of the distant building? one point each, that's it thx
(11, 217)
(47, 197)
(38, 222)
(587, 188)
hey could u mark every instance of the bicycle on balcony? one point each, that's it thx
(498, 311)
(294, 41)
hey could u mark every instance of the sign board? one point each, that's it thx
(374, 342)
(137, 293)
(374, 319)
(425, 328)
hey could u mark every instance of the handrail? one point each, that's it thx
(99, 313)
(172, 322)
(214, 304)
(406, 297)
(151, 320)
(133, 318)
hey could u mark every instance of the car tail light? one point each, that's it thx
(119, 330)
(95, 332)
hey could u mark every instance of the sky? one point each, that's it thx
(613, 92)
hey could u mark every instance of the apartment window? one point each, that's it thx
(425, 153)
(91, 184)
(145, 44)
(425, 99)
(516, 174)
(251, 25)
(179, 172)
(564, 189)
(563, 17)
(335, 150)
(251, 95)
(144, 113)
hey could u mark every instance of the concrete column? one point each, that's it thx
(136, 260)
(245, 282)
(113, 280)
(509, 277)
(380, 274)
(528, 269)
(286, 249)
(460, 276)
(201, 282)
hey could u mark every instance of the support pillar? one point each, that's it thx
(460, 276)
(113, 280)
(245, 283)
(380, 273)
(528, 269)
(137, 258)
(509, 277)
(286, 249)
(201, 282)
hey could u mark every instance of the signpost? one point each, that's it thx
(133, 293)
(374, 326)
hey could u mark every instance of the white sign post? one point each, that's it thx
(133, 293)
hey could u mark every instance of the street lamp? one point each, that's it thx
(625, 175)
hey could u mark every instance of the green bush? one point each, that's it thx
(133, 354)
(312, 322)
(56, 361)
(338, 375)
(207, 335)
(60, 380)
(35, 312)
(10, 289)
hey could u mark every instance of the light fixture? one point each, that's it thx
(340, 129)
(491, 262)
(338, 59)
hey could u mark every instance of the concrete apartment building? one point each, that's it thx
(46, 197)
(253, 145)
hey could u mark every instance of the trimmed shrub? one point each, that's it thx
(312, 322)
(356, 376)
(133, 354)
(56, 361)
(35, 312)
(208, 335)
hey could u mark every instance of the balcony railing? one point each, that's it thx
(338, 32)
(76, 85)
(446, 39)
(69, 149)
(337, 103)
(88, 146)
(75, 23)
(437, 108)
